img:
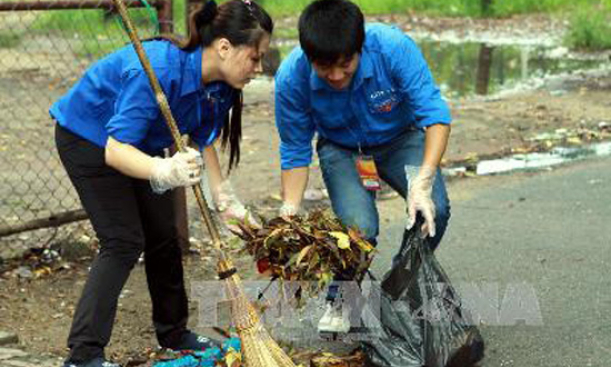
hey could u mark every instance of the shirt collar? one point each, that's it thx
(363, 71)
(193, 72)
(315, 82)
(193, 77)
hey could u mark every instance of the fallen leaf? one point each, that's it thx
(343, 240)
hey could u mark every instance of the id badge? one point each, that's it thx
(366, 167)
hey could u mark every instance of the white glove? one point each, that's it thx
(230, 207)
(288, 210)
(182, 169)
(420, 186)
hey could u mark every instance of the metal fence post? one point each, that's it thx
(166, 16)
(190, 6)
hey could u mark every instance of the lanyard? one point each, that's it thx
(360, 136)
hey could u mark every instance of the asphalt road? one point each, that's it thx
(532, 253)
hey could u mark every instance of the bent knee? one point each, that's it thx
(126, 250)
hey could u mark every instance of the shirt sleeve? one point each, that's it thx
(295, 126)
(410, 70)
(135, 109)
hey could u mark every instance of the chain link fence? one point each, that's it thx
(45, 46)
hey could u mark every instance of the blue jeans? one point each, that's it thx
(353, 204)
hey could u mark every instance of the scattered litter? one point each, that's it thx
(315, 194)
(24, 272)
(229, 355)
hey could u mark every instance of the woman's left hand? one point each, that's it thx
(231, 208)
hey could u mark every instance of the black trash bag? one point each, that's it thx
(421, 321)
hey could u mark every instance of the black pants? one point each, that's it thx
(128, 219)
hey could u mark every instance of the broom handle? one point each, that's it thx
(165, 109)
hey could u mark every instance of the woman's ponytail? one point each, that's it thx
(206, 14)
(200, 23)
(242, 22)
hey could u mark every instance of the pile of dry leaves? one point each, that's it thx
(310, 249)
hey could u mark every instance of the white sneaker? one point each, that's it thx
(336, 319)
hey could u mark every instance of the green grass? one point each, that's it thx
(471, 8)
(282, 8)
(9, 40)
(285, 50)
(503, 8)
(94, 34)
(180, 12)
(286, 33)
(590, 29)
(589, 19)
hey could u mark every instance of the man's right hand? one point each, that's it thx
(294, 182)
(182, 169)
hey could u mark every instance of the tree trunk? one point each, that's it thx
(483, 69)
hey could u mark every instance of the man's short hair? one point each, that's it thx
(331, 30)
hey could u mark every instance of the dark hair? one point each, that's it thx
(330, 30)
(242, 22)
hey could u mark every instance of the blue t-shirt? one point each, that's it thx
(114, 98)
(391, 91)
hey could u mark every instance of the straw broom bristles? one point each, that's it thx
(258, 348)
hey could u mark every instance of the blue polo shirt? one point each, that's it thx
(391, 91)
(114, 98)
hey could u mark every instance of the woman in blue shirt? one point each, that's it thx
(368, 94)
(111, 138)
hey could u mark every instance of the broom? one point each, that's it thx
(258, 348)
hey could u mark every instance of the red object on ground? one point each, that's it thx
(263, 265)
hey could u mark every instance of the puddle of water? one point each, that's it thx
(558, 155)
(470, 68)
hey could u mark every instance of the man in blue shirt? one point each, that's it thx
(369, 95)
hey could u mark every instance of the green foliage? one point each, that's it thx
(441, 7)
(507, 8)
(101, 33)
(180, 15)
(8, 40)
(285, 50)
(98, 32)
(590, 28)
(278, 8)
(471, 8)
(286, 33)
(91, 20)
